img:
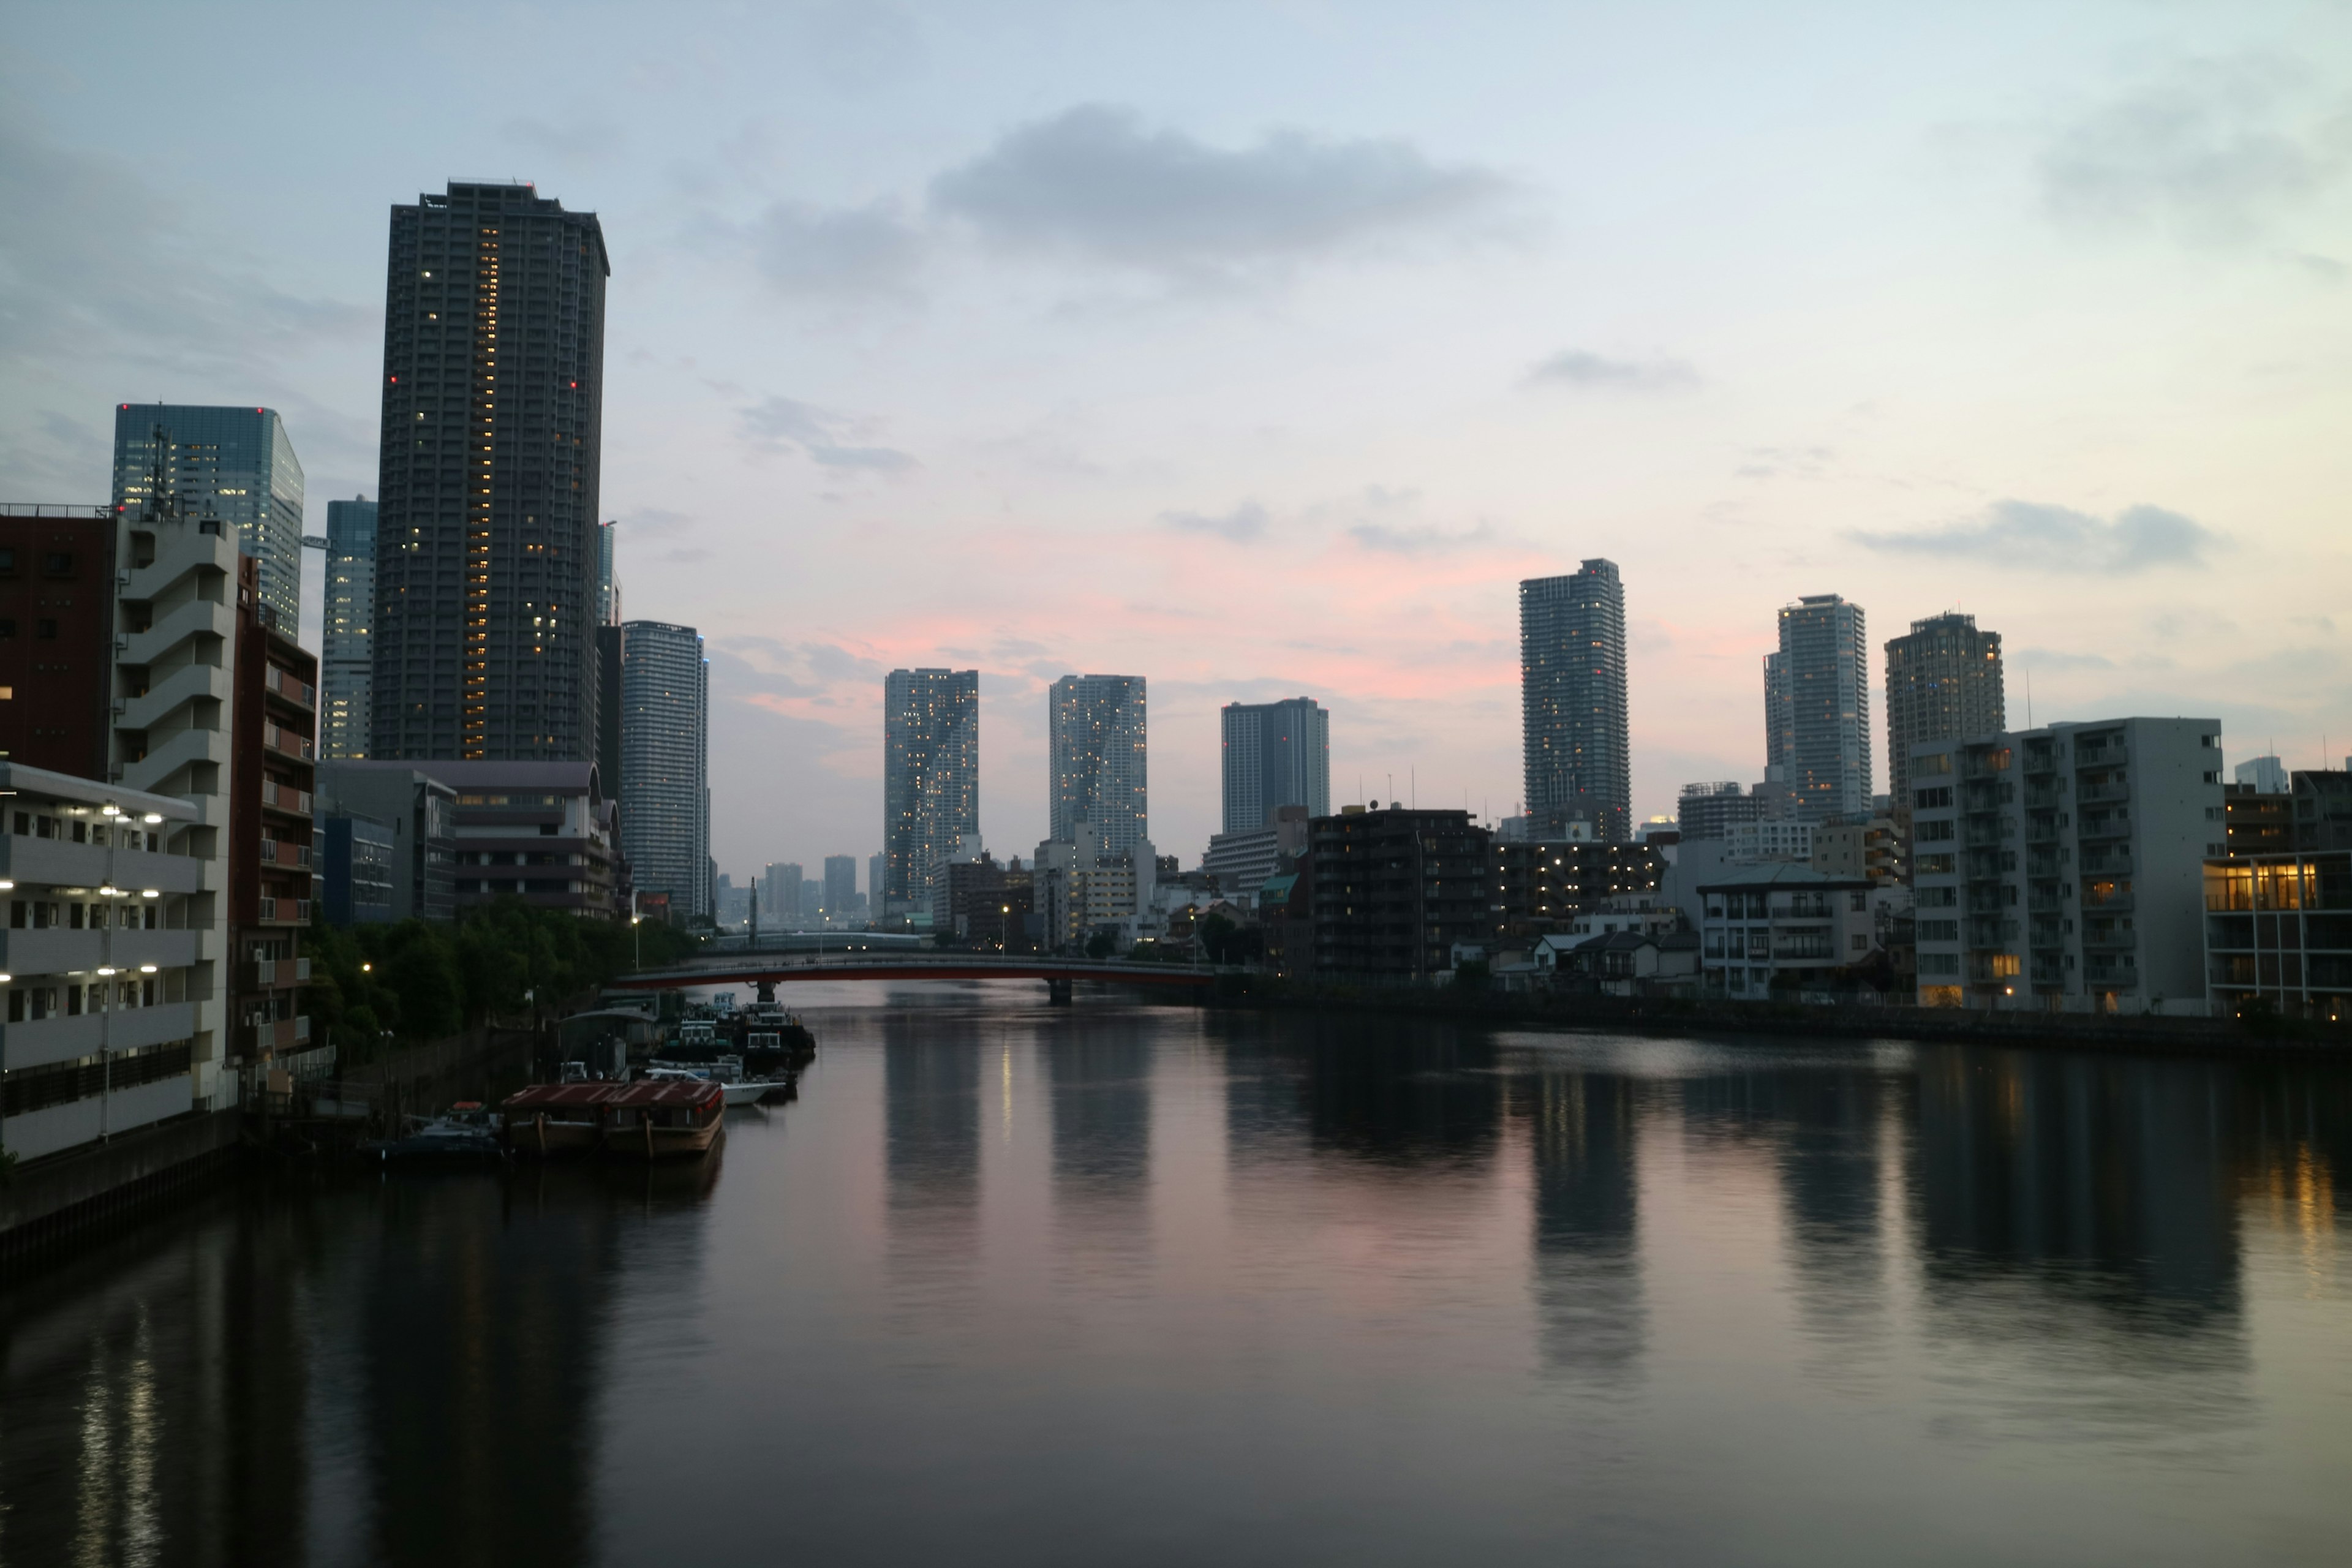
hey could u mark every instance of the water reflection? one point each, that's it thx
(1587, 1281)
(1446, 1282)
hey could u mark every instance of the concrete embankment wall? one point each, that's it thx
(1646, 1016)
(56, 1200)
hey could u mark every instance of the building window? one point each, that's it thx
(45, 629)
(57, 563)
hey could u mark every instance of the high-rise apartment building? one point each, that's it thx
(665, 789)
(2265, 776)
(779, 893)
(1572, 711)
(1099, 755)
(1943, 683)
(1709, 811)
(234, 464)
(840, 886)
(930, 781)
(875, 876)
(488, 559)
(347, 654)
(1276, 754)
(2063, 868)
(608, 586)
(1817, 708)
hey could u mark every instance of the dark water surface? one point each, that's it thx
(1131, 1286)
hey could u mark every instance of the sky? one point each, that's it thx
(1260, 350)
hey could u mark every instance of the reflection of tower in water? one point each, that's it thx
(1101, 1096)
(1587, 1269)
(931, 1095)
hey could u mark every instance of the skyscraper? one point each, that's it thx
(1096, 725)
(1572, 710)
(235, 464)
(779, 893)
(608, 586)
(1276, 753)
(840, 886)
(1943, 683)
(488, 560)
(664, 786)
(347, 661)
(1817, 708)
(930, 779)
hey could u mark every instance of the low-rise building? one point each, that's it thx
(1769, 839)
(540, 832)
(1711, 810)
(1541, 887)
(2278, 934)
(357, 860)
(107, 958)
(1784, 928)
(423, 814)
(1874, 846)
(1395, 889)
(1243, 862)
(2061, 868)
(1624, 962)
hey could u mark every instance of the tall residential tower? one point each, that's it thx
(347, 659)
(665, 784)
(487, 555)
(1099, 755)
(1276, 754)
(235, 464)
(930, 781)
(1943, 683)
(1572, 710)
(1817, 708)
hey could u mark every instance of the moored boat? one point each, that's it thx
(555, 1118)
(657, 1118)
(466, 1134)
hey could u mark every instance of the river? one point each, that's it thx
(1133, 1285)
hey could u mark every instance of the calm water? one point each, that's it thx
(1127, 1285)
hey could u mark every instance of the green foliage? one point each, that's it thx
(420, 980)
(1473, 976)
(1102, 945)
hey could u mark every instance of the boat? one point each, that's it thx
(554, 1119)
(738, 1089)
(467, 1134)
(654, 1118)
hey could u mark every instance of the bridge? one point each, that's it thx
(766, 971)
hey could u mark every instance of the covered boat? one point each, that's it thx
(661, 1117)
(550, 1119)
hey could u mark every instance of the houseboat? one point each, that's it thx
(662, 1116)
(552, 1119)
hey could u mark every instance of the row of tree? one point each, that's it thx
(420, 980)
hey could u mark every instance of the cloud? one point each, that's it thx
(805, 250)
(784, 424)
(2051, 660)
(1583, 369)
(1393, 540)
(584, 143)
(1244, 523)
(98, 262)
(2012, 533)
(856, 47)
(1093, 182)
(656, 522)
(2211, 154)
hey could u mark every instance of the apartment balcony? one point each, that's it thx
(281, 683)
(2108, 756)
(282, 911)
(2041, 828)
(288, 742)
(277, 1034)
(2117, 862)
(279, 853)
(294, 802)
(2113, 904)
(273, 973)
(2104, 794)
(2103, 826)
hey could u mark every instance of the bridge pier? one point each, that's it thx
(1058, 993)
(766, 990)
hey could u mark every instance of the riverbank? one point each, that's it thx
(1569, 1011)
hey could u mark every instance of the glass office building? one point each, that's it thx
(235, 464)
(346, 662)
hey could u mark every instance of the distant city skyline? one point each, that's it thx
(1357, 433)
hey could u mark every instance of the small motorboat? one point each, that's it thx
(467, 1134)
(738, 1090)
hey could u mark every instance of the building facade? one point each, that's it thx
(779, 895)
(346, 651)
(1572, 708)
(840, 888)
(1274, 755)
(274, 719)
(103, 962)
(1543, 887)
(488, 556)
(2063, 868)
(1394, 890)
(1708, 811)
(665, 787)
(1783, 928)
(423, 814)
(1817, 708)
(1240, 862)
(1943, 683)
(930, 781)
(57, 637)
(234, 464)
(540, 832)
(1100, 757)
(608, 583)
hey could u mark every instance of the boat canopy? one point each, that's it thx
(670, 1091)
(541, 1097)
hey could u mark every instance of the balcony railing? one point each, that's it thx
(275, 852)
(285, 797)
(284, 911)
(269, 974)
(284, 684)
(279, 1034)
(286, 743)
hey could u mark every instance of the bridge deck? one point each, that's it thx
(776, 969)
